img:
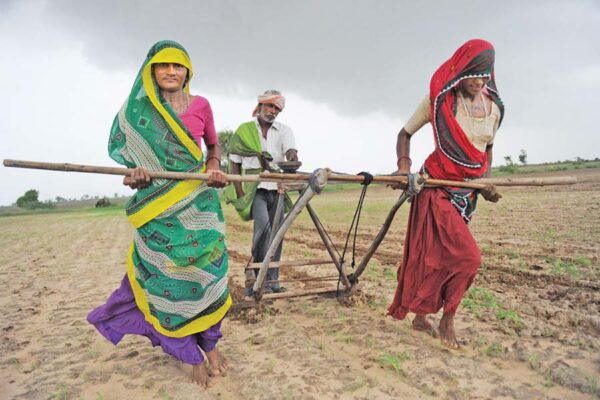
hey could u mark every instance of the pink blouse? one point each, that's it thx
(198, 119)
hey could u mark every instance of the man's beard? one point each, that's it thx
(267, 118)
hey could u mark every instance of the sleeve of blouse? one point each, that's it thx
(210, 134)
(420, 117)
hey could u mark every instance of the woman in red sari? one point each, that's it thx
(441, 257)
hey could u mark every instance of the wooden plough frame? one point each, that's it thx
(316, 182)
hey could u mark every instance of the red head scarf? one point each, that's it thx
(455, 157)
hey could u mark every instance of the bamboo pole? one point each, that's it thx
(297, 293)
(314, 279)
(297, 263)
(94, 169)
(279, 177)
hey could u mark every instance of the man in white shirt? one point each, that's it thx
(276, 144)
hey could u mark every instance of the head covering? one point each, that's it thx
(148, 133)
(272, 97)
(145, 111)
(455, 157)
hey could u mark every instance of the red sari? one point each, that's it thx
(441, 257)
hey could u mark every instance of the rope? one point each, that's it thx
(356, 219)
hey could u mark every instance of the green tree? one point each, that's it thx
(510, 166)
(523, 157)
(29, 199)
(224, 139)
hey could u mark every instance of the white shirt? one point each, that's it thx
(280, 139)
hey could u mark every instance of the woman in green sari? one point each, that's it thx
(175, 291)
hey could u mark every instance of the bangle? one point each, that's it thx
(400, 159)
(215, 157)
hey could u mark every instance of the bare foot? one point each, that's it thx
(447, 334)
(421, 323)
(200, 375)
(218, 365)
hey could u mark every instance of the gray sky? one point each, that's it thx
(353, 72)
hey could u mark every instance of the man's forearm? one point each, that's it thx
(236, 169)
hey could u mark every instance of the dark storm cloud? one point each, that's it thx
(356, 56)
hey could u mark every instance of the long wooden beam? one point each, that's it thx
(297, 293)
(279, 177)
(297, 263)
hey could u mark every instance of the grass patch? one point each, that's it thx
(375, 304)
(495, 350)
(164, 394)
(582, 261)
(511, 318)
(592, 384)
(512, 254)
(271, 366)
(61, 393)
(563, 268)
(486, 249)
(373, 269)
(394, 361)
(338, 187)
(478, 299)
(549, 235)
(343, 337)
(353, 387)
(369, 342)
(534, 361)
(390, 274)
(548, 383)
(14, 361)
(546, 167)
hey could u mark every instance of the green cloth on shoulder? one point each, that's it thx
(245, 143)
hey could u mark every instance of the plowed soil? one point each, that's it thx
(529, 327)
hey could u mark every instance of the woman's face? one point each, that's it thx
(473, 86)
(170, 77)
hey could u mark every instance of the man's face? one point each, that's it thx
(268, 112)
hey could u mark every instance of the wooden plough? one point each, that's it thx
(313, 185)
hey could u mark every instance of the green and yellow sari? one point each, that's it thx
(177, 265)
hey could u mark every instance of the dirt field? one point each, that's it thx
(530, 326)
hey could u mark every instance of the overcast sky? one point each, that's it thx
(352, 72)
